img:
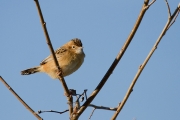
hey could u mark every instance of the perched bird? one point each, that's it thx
(70, 57)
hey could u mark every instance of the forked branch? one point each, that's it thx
(77, 106)
(101, 107)
(152, 2)
(174, 16)
(170, 19)
(114, 64)
(61, 78)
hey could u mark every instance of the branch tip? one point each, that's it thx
(169, 21)
(168, 7)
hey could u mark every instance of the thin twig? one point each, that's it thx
(142, 66)
(21, 100)
(85, 93)
(102, 107)
(92, 113)
(173, 16)
(176, 15)
(79, 96)
(40, 111)
(69, 97)
(169, 10)
(91, 105)
(150, 4)
(114, 64)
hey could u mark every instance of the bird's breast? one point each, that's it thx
(71, 64)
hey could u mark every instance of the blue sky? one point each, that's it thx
(103, 27)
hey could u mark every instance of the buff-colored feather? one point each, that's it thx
(70, 57)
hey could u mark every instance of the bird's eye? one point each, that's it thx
(73, 46)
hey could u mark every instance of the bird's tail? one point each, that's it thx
(30, 71)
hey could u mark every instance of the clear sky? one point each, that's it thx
(103, 27)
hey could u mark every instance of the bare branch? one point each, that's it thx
(85, 93)
(92, 113)
(143, 65)
(103, 107)
(77, 107)
(150, 4)
(21, 100)
(114, 64)
(169, 11)
(176, 15)
(43, 23)
(100, 107)
(53, 111)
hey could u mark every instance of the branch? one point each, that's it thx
(175, 16)
(77, 104)
(92, 113)
(169, 11)
(114, 64)
(143, 65)
(19, 98)
(43, 23)
(150, 4)
(52, 111)
(102, 107)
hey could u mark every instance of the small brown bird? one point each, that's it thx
(70, 57)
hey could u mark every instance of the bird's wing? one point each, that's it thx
(59, 52)
(49, 58)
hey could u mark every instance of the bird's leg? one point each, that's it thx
(59, 72)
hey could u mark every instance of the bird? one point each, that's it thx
(70, 57)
